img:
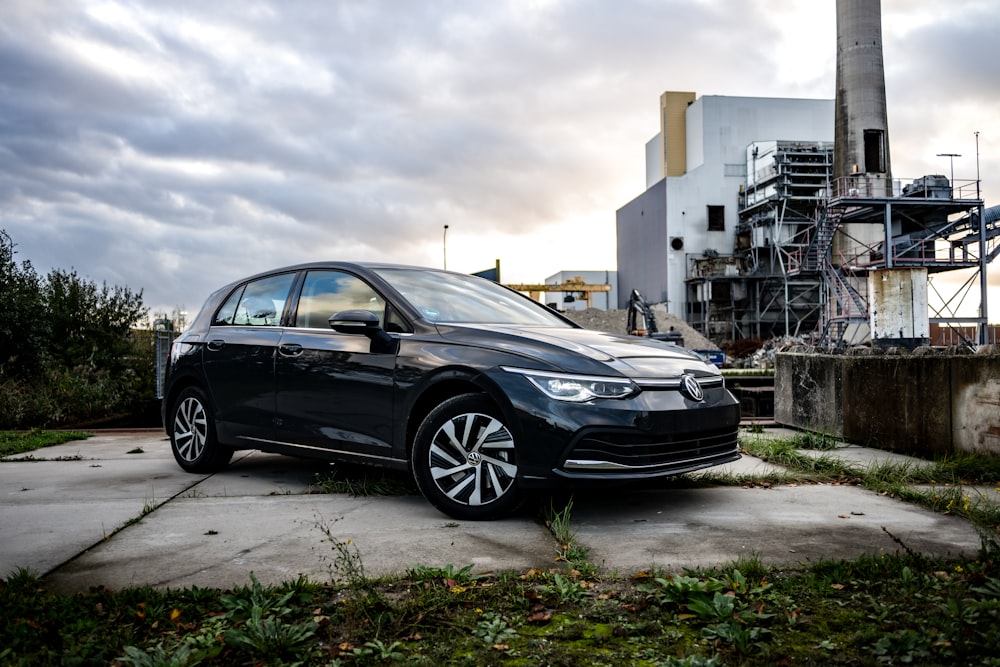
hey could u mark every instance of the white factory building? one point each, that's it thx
(695, 168)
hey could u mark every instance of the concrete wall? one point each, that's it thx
(929, 401)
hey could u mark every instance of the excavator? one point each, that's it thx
(642, 322)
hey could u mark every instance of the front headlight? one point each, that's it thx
(577, 388)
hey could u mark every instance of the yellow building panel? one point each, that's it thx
(673, 130)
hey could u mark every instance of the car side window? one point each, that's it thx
(259, 303)
(394, 322)
(227, 314)
(327, 292)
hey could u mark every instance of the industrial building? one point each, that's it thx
(736, 230)
(684, 242)
(771, 217)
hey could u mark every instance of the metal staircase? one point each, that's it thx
(816, 254)
(847, 305)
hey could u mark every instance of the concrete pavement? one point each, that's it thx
(116, 510)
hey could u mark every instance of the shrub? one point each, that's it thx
(67, 351)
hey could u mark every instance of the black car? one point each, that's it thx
(480, 391)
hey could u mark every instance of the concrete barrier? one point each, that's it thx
(930, 401)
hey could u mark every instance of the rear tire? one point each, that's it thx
(192, 434)
(464, 460)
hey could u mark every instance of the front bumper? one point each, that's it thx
(627, 453)
(657, 433)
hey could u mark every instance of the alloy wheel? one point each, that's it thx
(471, 459)
(190, 429)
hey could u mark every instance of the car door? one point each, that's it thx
(238, 357)
(335, 390)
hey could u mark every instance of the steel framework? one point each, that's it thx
(787, 276)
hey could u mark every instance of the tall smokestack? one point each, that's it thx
(897, 297)
(861, 128)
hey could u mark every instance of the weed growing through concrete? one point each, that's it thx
(939, 485)
(568, 549)
(363, 481)
(347, 567)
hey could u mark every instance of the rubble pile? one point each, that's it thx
(764, 357)
(614, 321)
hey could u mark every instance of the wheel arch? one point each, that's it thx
(174, 390)
(448, 385)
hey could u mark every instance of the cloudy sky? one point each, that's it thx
(173, 145)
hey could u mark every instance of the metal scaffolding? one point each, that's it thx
(787, 276)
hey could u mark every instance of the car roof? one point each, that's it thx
(336, 264)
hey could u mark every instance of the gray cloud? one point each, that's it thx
(175, 146)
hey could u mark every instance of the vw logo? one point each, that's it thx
(474, 458)
(691, 388)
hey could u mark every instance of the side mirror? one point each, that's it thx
(354, 322)
(364, 322)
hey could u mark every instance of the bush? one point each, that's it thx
(67, 348)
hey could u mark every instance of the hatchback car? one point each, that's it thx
(478, 390)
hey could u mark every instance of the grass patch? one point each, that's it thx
(943, 479)
(20, 442)
(891, 609)
(361, 481)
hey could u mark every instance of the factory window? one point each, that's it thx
(716, 218)
(875, 151)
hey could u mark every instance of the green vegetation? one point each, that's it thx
(942, 485)
(361, 481)
(873, 610)
(13, 442)
(68, 349)
(902, 608)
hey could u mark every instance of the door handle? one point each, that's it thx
(216, 345)
(290, 349)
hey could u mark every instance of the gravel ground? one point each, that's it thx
(614, 321)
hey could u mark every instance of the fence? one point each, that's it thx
(944, 335)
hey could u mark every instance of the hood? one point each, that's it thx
(586, 351)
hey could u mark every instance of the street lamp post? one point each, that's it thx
(444, 246)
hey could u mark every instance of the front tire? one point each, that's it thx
(192, 434)
(464, 460)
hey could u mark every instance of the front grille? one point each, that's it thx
(624, 451)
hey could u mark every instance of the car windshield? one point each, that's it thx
(455, 298)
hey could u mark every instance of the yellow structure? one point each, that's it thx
(673, 107)
(573, 285)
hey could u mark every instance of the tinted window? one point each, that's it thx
(227, 313)
(327, 292)
(259, 303)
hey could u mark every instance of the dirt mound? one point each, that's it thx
(614, 321)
